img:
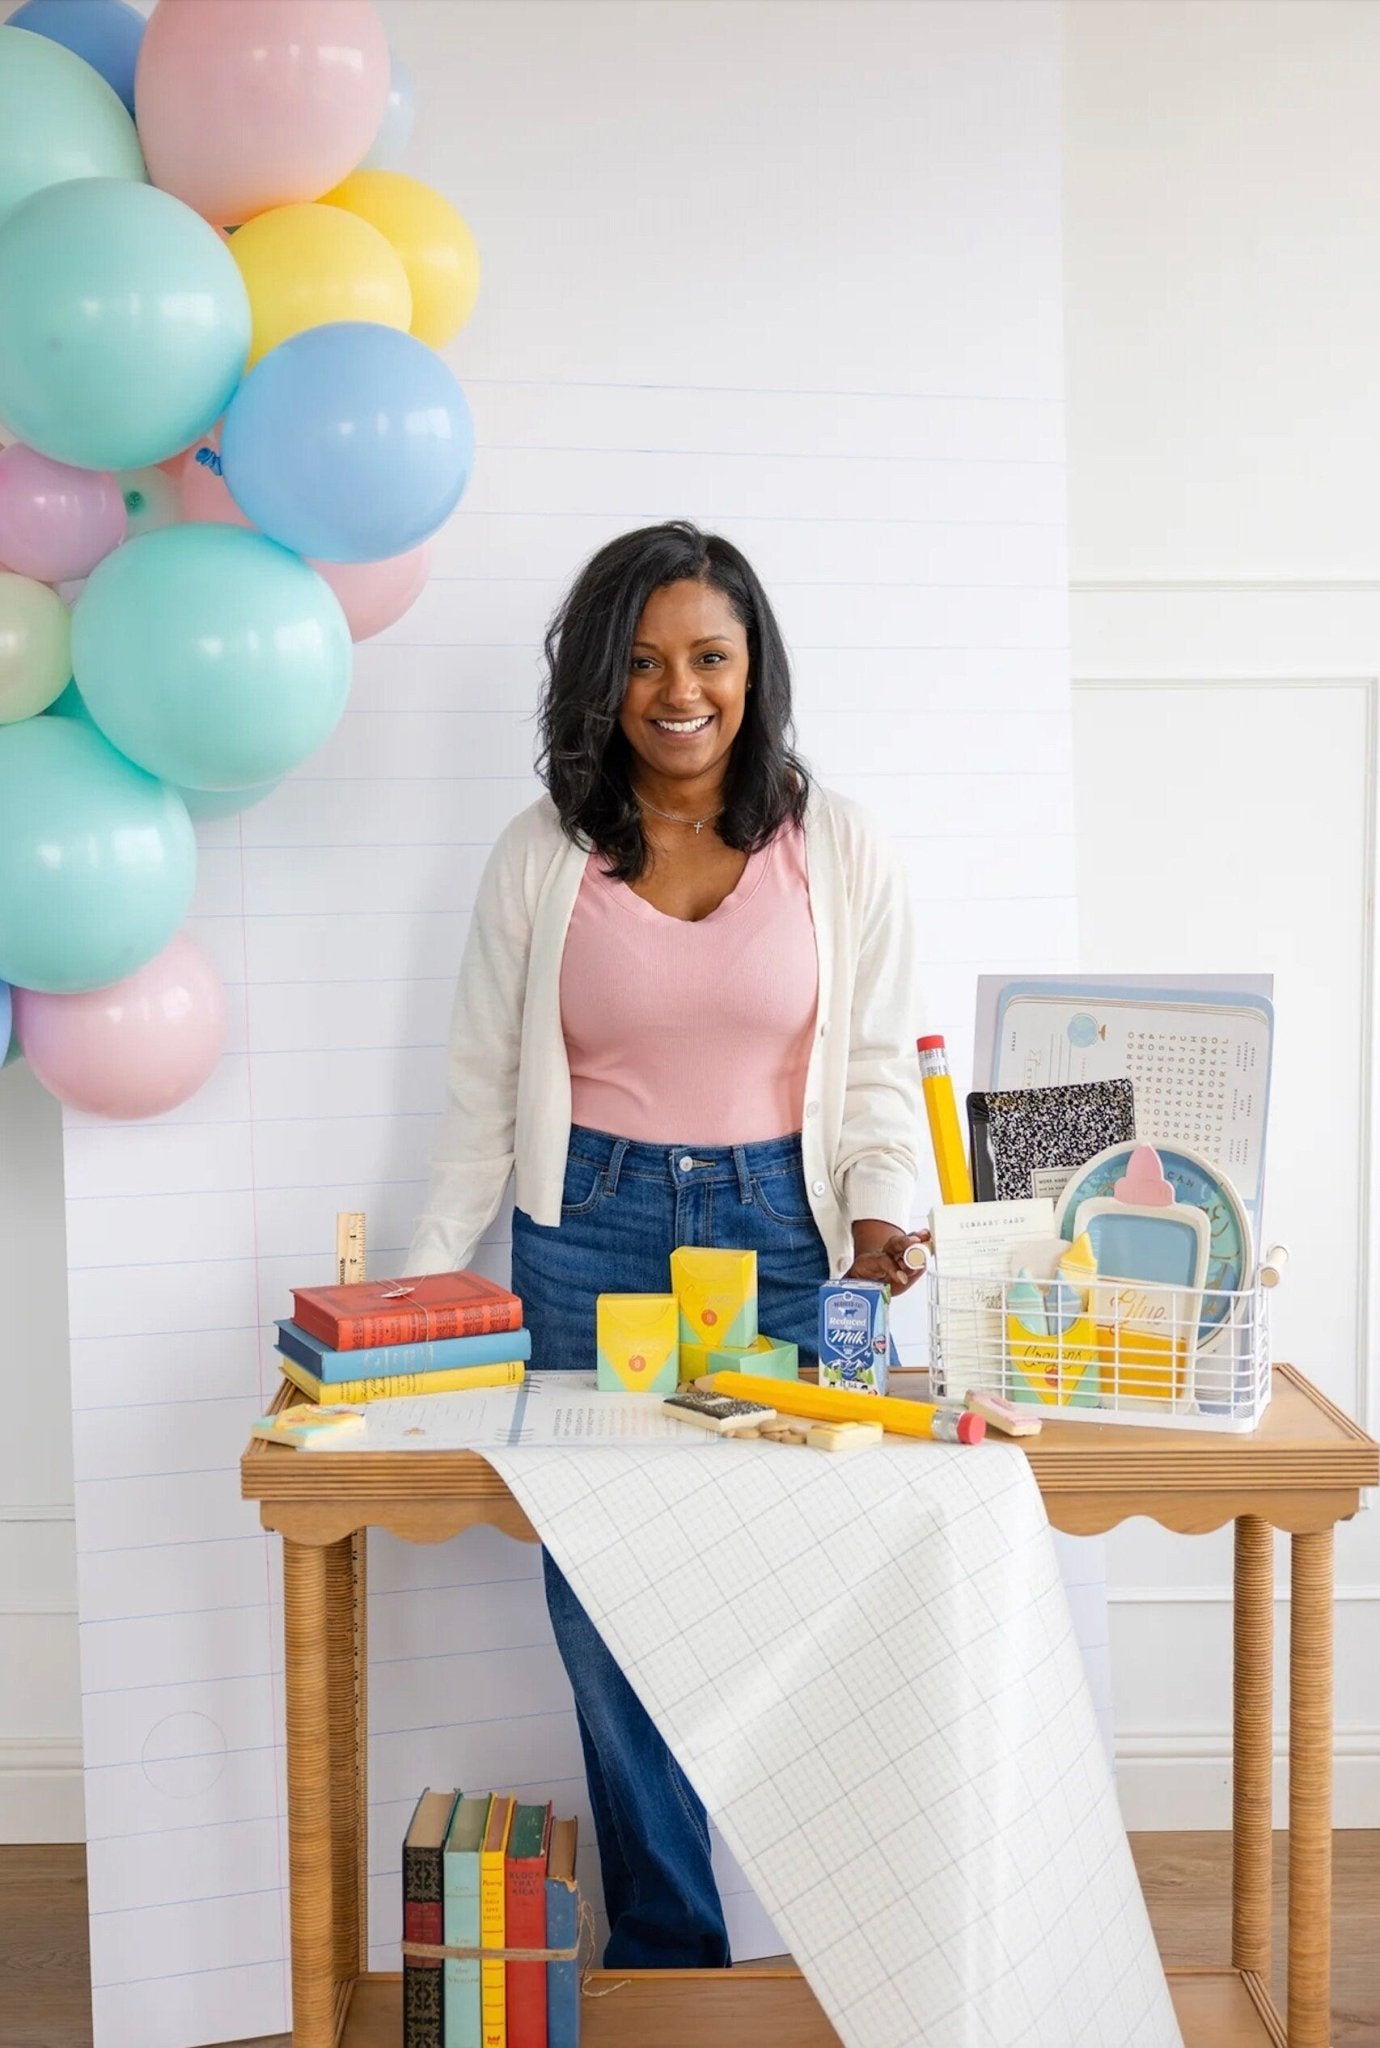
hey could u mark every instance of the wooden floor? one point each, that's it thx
(44, 1999)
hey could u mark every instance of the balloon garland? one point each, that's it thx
(230, 440)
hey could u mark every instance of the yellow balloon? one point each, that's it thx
(35, 647)
(436, 247)
(304, 266)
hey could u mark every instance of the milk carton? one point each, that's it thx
(854, 1341)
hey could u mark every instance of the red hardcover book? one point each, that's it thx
(423, 1918)
(405, 1311)
(525, 1924)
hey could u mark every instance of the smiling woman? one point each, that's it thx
(686, 1016)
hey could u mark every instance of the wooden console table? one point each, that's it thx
(1302, 1471)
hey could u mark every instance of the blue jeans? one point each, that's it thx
(625, 1208)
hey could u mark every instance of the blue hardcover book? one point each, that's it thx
(390, 1361)
(460, 1902)
(562, 1931)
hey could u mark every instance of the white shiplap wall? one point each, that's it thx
(791, 270)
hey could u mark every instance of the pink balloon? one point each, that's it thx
(135, 1049)
(247, 104)
(375, 594)
(201, 492)
(56, 522)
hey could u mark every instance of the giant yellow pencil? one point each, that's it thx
(955, 1184)
(835, 1404)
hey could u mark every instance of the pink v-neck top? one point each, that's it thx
(696, 1034)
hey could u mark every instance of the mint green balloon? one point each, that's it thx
(211, 656)
(124, 324)
(97, 859)
(58, 120)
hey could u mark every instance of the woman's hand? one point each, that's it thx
(879, 1253)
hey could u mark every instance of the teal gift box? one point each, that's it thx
(771, 1358)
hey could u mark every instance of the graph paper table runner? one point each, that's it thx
(868, 1672)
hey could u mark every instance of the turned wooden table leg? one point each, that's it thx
(1310, 1792)
(345, 1630)
(1252, 1745)
(307, 1684)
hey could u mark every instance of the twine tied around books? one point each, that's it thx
(442, 1952)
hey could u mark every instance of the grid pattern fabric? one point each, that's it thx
(867, 1669)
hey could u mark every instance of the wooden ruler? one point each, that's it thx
(349, 1246)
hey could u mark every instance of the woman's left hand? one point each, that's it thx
(879, 1253)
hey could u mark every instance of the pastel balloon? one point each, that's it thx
(150, 498)
(35, 649)
(58, 120)
(202, 495)
(349, 443)
(56, 522)
(148, 313)
(6, 1021)
(247, 104)
(395, 129)
(305, 265)
(436, 247)
(70, 705)
(211, 657)
(104, 33)
(205, 804)
(97, 859)
(374, 595)
(136, 1048)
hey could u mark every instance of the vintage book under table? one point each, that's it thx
(1302, 1472)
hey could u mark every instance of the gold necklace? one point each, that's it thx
(697, 825)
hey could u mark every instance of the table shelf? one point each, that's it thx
(743, 2008)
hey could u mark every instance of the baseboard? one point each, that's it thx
(1168, 1782)
(41, 1789)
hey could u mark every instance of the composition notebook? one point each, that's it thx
(1026, 1142)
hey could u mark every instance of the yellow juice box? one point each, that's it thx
(717, 1292)
(1060, 1370)
(639, 1350)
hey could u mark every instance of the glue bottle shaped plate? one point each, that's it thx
(1198, 1184)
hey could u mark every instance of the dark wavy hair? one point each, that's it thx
(584, 757)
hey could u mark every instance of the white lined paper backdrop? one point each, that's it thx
(792, 270)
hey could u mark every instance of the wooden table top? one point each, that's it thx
(1303, 1468)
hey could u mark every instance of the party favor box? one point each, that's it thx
(854, 1340)
(769, 1357)
(639, 1349)
(717, 1292)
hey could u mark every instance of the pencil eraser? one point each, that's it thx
(971, 1429)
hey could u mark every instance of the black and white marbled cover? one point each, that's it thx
(1028, 1141)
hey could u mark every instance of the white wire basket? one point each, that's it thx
(1113, 1351)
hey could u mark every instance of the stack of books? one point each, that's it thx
(483, 1872)
(371, 1340)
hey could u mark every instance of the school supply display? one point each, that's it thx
(397, 1385)
(725, 1414)
(854, 1334)
(390, 1361)
(420, 1310)
(1028, 1141)
(491, 1925)
(717, 1295)
(833, 1404)
(307, 1428)
(638, 1343)
(955, 1184)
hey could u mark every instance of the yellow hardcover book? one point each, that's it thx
(493, 1977)
(717, 1292)
(456, 1381)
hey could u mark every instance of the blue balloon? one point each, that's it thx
(348, 443)
(124, 322)
(386, 150)
(97, 860)
(211, 657)
(105, 33)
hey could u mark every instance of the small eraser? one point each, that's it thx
(971, 1428)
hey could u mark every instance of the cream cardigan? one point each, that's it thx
(508, 1107)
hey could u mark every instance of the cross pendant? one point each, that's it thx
(699, 827)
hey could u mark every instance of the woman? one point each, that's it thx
(686, 1015)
